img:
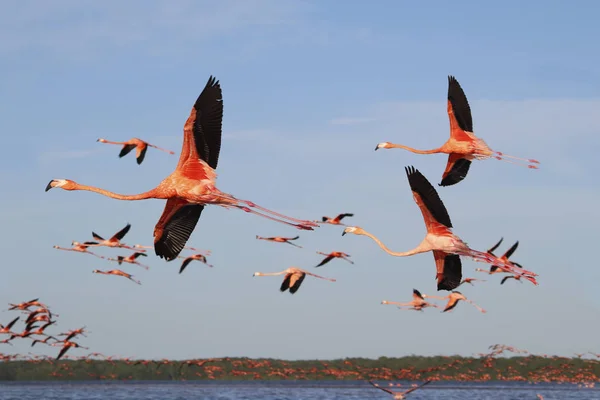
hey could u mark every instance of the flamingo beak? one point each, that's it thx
(376, 147)
(343, 233)
(49, 186)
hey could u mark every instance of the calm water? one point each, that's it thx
(284, 390)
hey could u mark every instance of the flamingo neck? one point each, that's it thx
(419, 249)
(151, 194)
(417, 151)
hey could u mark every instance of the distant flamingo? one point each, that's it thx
(131, 259)
(192, 185)
(453, 299)
(463, 146)
(280, 239)
(115, 240)
(198, 257)
(332, 255)
(6, 329)
(337, 220)
(293, 278)
(205, 252)
(80, 248)
(446, 246)
(399, 395)
(470, 281)
(418, 302)
(495, 269)
(66, 346)
(139, 145)
(117, 272)
(515, 277)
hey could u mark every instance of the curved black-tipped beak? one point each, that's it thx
(343, 233)
(49, 186)
(376, 147)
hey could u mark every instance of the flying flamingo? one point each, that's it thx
(115, 240)
(66, 346)
(205, 252)
(6, 329)
(332, 255)
(337, 220)
(293, 278)
(463, 146)
(418, 302)
(494, 269)
(192, 185)
(399, 395)
(470, 281)
(447, 247)
(131, 259)
(198, 257)
(117, 272)
(139, 145)
(453, 299)
(80, 247)
(515, 277)
(280, 239)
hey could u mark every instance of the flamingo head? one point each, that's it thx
(96, 271)
(384, 302)
(55, 247)
(101, 140)
(65, 184)
(257, 274)
(353, 229)
(383, 145)
(75, 243)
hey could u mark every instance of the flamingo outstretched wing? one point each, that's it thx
(427, 199)
(175, 227)
(456, 169)
(448, 270)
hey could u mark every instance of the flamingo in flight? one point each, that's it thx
(453, 299)
(115, 240)
(495, 269)
(139, 145)
(131, 259)
(463, 146)
(293, 278)
(192, 185)
(399, 395)
(471, 280)
(117, 272)
(205, 252)
(197, 257)
(418, 302)
(446, 246)
(280, 239)
(332, 255)
(337, 220)
(6, 329)
(80, 248)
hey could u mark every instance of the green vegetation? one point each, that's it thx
(530, 368)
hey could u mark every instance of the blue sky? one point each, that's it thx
(309, 90)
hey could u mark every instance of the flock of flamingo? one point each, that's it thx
(192, 186)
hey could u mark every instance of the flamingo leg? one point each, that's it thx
(246, 209)
(293, 244)
(523, 162)
(489, 259)
(276, 214)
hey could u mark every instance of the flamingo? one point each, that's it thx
(280, 239)
(198, 257)
(494, 269)
(471, 280)
(515, 277)
(139, 145)
(23, 306)
(80, 247)
(115, 240)
(66, 346)
(418, 302)
(463, 146)
(337, 220)
(293, 278)
(117, 272)
(192, 185)
(6, 329)
(131, 259)
(446, 246)
(45, 341)
(399, 395)
(453, 299)
(332, 255)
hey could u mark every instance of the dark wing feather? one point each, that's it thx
(504, 279)
(177, 231)
(126, 149)
(91, 243)
(62, 352)
(457, 173)
(185, 264)
(342, 216)
(121, 234)
(460, 105)
(517, 264)
(452, 273)
(490, 251)
(97, 237)
(297, 284)
(286, 283)
(120, 259)
(136, 255)
(208, 123)
(451, 305)
(10, 325)
(420, 185)
(510, 251)
(325, 261)
(418, 294)
(140, 158)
